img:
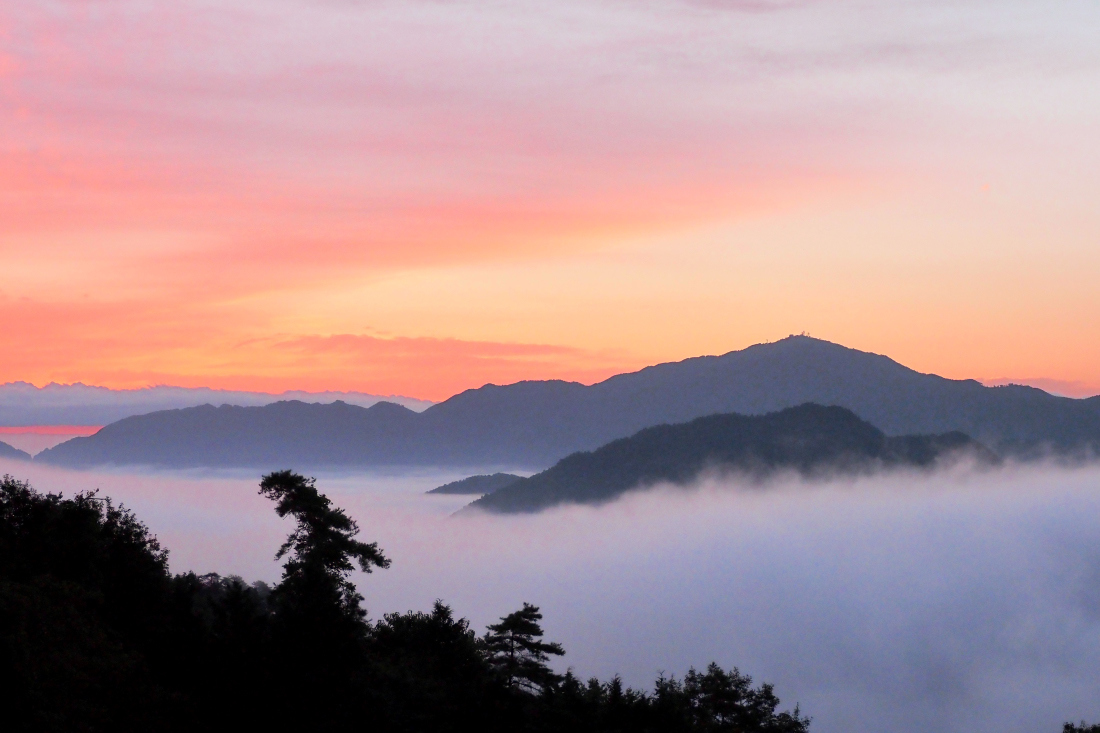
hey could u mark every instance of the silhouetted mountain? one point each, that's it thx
(483, 484)
(280, 434)
(809, 439)
(534, 424)
(7, 451)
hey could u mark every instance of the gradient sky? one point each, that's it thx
(420, 197)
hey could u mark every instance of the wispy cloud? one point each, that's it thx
(175, 353)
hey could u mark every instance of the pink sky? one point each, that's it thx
(417, 198)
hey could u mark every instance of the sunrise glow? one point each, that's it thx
(370, 196)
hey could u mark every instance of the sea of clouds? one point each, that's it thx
(961, 601)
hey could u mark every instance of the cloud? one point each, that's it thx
(161, 347)
(958, 602)
(441, 366)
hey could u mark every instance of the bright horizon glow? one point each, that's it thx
(49, 429)
(1060, 388)
(420, 198)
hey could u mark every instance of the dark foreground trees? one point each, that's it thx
(97, 635)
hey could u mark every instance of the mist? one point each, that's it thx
(960, 601)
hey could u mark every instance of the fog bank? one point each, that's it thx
(966, 601)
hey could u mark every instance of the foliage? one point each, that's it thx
(428, 672)
(514, 649)
(82, 590)
(714, 701)
(322, 551)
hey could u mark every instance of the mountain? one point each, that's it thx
(281, 434)
(534, 424)
(80, 404)
(809, 439)
(7, 451)
(483, 484)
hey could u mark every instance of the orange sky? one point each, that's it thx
(416, 198)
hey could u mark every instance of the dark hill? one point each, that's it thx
(7, 451)
(280, 434)
(483, 484)
(809, 439)
(534, 424)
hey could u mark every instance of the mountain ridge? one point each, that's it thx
(809, 439)
(10, 451)
(532, 424)
(480, 484)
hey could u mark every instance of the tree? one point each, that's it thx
(716, 700)
(323, 552)
(82, 613)
(514, 648)
(319, 626)
(1081, 727)
(427, 673)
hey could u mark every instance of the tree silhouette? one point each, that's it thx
(322, 548)
(319, 625)
(428, 673)
(514, 648)
(82, 612)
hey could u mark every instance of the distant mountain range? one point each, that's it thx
(481, 484)
(809, 439)
(534, 424)
(79, 404)
(7, 451)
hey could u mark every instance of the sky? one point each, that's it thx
(421, 197)
(956, 601)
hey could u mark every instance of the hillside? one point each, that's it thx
(282, 434)
(481, 484)
(7, 451)
(533, 424)
(809, 439)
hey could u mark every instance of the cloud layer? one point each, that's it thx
(962, 602)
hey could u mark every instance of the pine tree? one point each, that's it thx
(322, 550)
(515, 650)
(319, 625)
